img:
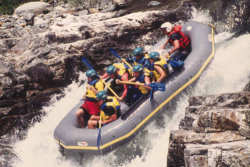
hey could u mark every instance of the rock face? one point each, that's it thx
(247, 87)
(32, 7)
(215, 132)
(228, 15)
(29, 10)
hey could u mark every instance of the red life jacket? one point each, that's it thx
(184, 41)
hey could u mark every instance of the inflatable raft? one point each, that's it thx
(71, 137)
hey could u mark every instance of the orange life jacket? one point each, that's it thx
(184, 41)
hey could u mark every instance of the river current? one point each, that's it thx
(228, 72)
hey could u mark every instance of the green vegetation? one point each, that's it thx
(7, 6)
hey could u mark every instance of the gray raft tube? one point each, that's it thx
(72, 138)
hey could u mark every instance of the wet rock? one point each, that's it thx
(121, 12)
(214, 132)
(40, 74)
(229, 154)
(3, 68)
(154, 3)
(6, 82)
(93, 10)
(29, 18)
(34, 8)
(228, 15)
(121, 2)
(6, 154)
(6, 44)
(83, 12)
(110, 8)
(247, 87)
(100, 5)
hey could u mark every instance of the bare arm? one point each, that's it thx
(125, 91)
(176, 45)
(111, 118)
(161, 72)
(104, 76)
(132, 79)
(147, 80)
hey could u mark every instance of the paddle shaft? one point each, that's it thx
(119, 57)
(124, 61)
(85, 61)
(112, 91)
(99, 136)
(134, 83)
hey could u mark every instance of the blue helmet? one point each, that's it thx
(101, 95)
(137, 68)
(154, 55)
(111, 69)
(91, 73)
(138, 51)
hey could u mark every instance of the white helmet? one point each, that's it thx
(167, 26)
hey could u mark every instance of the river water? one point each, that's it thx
(228, 72)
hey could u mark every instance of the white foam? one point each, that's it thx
(229, 71)
(39, 148)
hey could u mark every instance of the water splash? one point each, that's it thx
(201, 16)
(229, 71)
(39, 148)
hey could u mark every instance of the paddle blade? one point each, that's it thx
(99, 138)
(114, 53)
(176, 64)
(158, 86)
(86, 63)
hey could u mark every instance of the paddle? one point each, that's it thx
(174, 63)
(99, 136)
(119, 57)
(154, 86)
(85, 61)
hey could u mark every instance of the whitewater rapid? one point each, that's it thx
(228, 72)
